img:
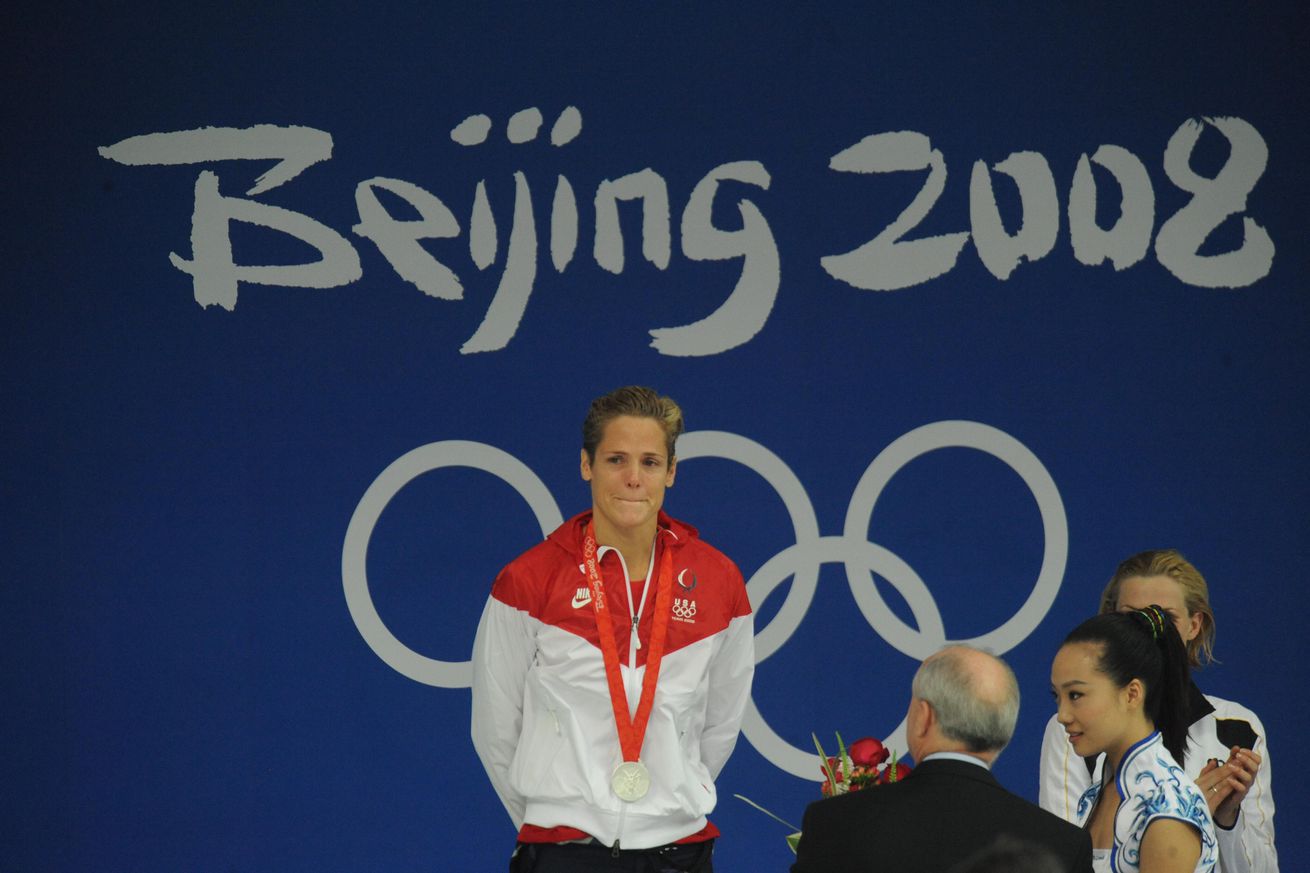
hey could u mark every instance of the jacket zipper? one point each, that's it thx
(618, 834)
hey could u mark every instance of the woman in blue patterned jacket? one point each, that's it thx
(1227, 747)
(1121, 685)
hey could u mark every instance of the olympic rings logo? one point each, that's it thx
(799, 562)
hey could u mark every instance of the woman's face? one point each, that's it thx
(1093, 711)
(628, 478)
(1139, 592)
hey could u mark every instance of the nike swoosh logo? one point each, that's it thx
(581, 599)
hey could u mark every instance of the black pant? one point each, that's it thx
(588, 857)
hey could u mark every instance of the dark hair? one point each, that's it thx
(637, 401)
(1144, 644)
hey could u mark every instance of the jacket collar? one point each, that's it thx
(1197, 706)
(959, 769)
(672, 533)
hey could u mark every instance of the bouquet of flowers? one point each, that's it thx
(865, 763)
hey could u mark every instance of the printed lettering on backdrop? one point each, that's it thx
(888, 261)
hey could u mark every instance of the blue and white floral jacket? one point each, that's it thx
(1152, 786)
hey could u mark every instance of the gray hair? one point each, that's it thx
(975, 707)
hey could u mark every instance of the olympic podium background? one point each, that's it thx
(304, 305)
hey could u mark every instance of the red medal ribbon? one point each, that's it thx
(632, 730)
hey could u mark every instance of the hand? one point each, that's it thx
(1214, 783)
(1225, 785)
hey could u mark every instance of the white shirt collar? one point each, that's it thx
(958, 756)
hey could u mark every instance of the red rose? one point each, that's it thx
(867, 752)
(894, 774)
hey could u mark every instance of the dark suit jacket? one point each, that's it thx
(936, 817)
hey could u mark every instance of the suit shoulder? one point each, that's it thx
(1051, 822)
(1231, 709)
(1235, 724)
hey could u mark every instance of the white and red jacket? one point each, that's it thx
(543, 723)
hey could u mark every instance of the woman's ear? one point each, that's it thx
(1135, 694)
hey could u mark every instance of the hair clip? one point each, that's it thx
(1155, 619)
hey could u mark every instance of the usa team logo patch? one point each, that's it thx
(684, 609)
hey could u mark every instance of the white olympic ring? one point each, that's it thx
(354, 552)
(800, 562)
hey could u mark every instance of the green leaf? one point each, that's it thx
(823, 762)
(846, 765)
(765, 811)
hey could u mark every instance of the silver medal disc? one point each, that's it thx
(631, 781)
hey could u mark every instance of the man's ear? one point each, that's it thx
(586, 467)
(923, 717)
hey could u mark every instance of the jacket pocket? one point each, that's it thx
(536, 753)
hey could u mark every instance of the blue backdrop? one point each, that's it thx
(305, 304)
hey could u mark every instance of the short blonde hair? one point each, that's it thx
(636, 401)
(1196, 594)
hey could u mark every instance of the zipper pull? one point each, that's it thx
(635, 619)
(615, 852)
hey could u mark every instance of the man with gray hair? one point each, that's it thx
(963, 707)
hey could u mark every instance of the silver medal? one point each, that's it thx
(631, 781)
